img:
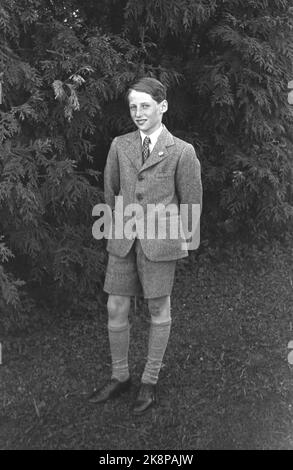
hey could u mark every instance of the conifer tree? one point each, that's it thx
(56, 76)
(64, 69)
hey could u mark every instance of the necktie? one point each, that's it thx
(145, 149)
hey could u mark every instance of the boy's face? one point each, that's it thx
(145, 112)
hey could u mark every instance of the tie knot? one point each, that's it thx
(146, 141)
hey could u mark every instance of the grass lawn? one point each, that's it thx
(225, 383)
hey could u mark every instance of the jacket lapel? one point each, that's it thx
(134, 149)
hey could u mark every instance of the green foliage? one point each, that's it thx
(15, 306)
(8, 286)
(56, 79)
(64, 68)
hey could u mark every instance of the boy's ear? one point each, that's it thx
(164, 106)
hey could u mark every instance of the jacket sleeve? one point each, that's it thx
(188, 184)
(111, 176)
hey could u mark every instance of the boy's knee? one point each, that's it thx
(160, 309)
(118, 307)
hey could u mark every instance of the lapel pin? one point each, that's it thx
(161, 153)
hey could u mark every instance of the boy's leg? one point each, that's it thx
(121, 283)
(157, 278)
(118, 330)
(158, 340)
(160, 310)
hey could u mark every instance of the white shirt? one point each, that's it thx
(154, 137)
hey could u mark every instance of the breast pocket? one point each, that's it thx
(162, 175)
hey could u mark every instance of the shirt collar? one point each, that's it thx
(154, 136)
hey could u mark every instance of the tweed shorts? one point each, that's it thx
(136, 275)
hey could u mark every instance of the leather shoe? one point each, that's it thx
(111, 389)
(145, 399)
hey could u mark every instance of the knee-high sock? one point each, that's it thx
(119, 345)
(158, 340)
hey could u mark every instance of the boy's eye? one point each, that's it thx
(143, 106)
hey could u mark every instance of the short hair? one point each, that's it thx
(149, 85)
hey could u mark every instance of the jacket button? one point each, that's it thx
(139, 196)
(140, 177)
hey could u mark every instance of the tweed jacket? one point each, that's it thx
(170, 175)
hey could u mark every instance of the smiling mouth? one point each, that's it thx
(141, 121)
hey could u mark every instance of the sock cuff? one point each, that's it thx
(118, 328)
(165, 323)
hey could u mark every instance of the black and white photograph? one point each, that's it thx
(146, 228)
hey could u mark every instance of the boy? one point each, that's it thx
(148, 166)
